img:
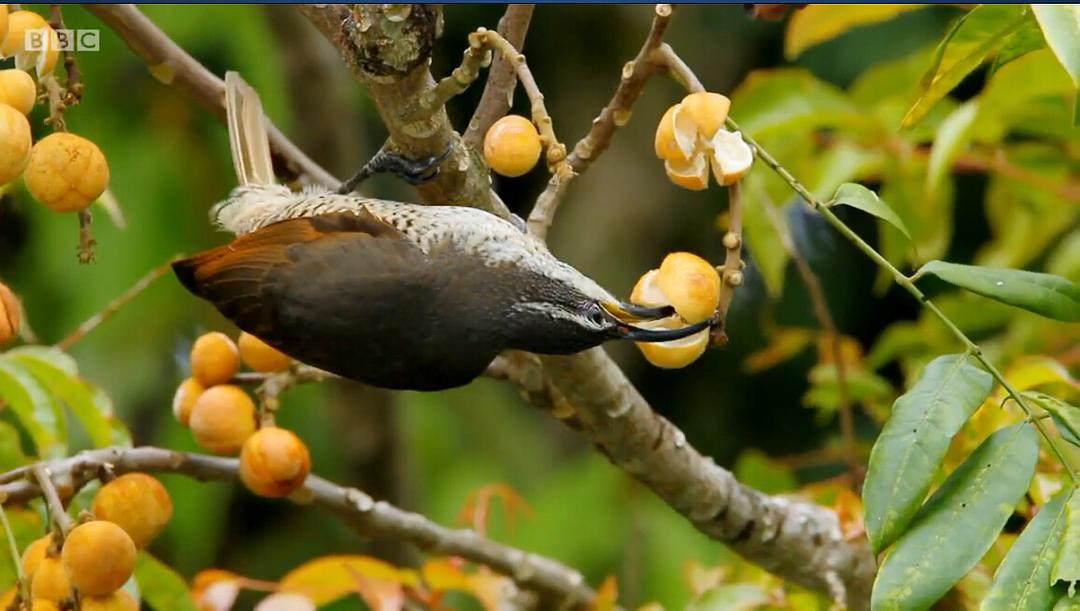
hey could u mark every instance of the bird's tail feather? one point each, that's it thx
(248, 138)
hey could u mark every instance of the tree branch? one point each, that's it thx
(498, 92)
(363, 513)
(796, 540)
(171, 65)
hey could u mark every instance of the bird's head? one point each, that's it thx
(569, 313)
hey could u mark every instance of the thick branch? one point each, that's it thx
(171, 65)
(498, 92)
(366, 515)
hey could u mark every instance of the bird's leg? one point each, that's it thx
(411, 171)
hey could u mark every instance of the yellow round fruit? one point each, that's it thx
(223, 419)
(215, 359)
(691, 284)
(184, 400)
(665, 143)
(44, 49)
(18, 22)
(512, 146)
(7, 597)
(33, 555)
(50, 581)
(137, 503)
(707, 111)
(119, 600)
(676, 353)
(44, 605)
(3, 34)
(98, 557)
(261, 356)
(274, 462)
(17, 90)
(10, 316)
(66, 172)
(15, 143)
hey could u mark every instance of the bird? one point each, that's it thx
(392, 294)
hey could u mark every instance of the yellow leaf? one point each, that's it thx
(783, 345)
(1033, 371)
(820, 22)
(1043, 486)
(477, 510)
(607, 595)
(444, 574)
(849, 512)
(489, 588)
(700, 578)
(328, 578)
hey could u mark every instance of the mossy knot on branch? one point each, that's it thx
(391, 39)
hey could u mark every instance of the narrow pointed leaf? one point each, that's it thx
(161, 587)
(972, 38)
(1067, 566)
(37, 410)
(50, 369)
(858, 196)
(820, 22)
(54, 356)
(1027, 38)
(959, 523)
(1060, 25)
(1066, 417)
(1044, 294)
(908, 454)
(1022, 581)
(952, 136)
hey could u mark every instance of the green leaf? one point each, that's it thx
(858, 196)
(972, 38)
(1026, 39)
(731, 597)
(820, 22)
(765, 243)
(1044, 294)
(959, 523)
(37, 410)
(49, 366)
(1066, 417)
(791, 100)
(1067, 603)
(1022, 581)
(952, 136)
(908, 453)
(11, 454)
(1060, 25)
(162, 587)
(1067, 567)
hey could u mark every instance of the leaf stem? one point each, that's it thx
(910, 287)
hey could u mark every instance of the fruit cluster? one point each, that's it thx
(64, 171)
(691, 140)
(273, 461)
(97, 557)
(691, 285)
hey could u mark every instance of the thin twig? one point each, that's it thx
(910, 287)
(831, 338)
(115, 305)
(73, 86)
(57, 513)
(358, 510)
(9, 534)
(434, 99)
(501, 80)
(170, 64)
(614, 115)
(86, 237)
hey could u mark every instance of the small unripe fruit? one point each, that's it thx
(223, 418)
(137, 503)
(33, 555)
(17, 90)
(691, 284)
(98, 557)
(261, 356)
(184, 400)
(215, 359)
(50, 581)
(274, 462)
(66, 172)
(15, 142)
(119, 600)
(512, 146)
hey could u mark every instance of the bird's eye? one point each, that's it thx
(595, 315)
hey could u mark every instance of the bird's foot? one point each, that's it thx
(412, 171)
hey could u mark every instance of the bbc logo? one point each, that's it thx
(66, 40)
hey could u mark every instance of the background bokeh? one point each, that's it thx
(427, 452)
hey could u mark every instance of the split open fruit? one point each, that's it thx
(691, 140)
(691, 285)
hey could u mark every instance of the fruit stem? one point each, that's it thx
(59, 516)
(910, 287)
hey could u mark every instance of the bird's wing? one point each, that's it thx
(241, 278)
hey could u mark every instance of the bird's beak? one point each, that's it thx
(621, 313)
(624, 312)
